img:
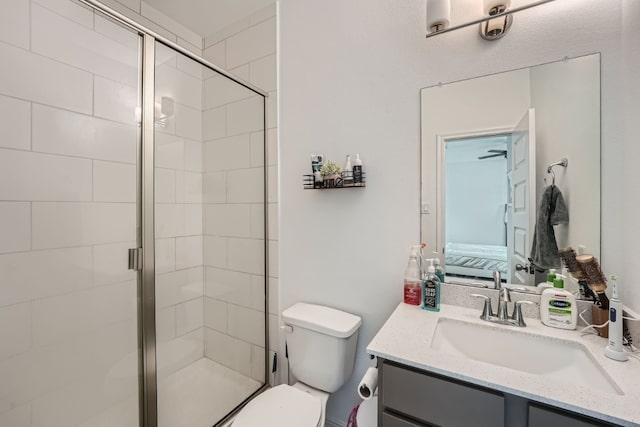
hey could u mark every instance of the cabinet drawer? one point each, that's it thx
(438, 400)
(540, 416)
(390, 420)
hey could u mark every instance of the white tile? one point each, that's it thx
(220, 90)
(179, 286)
(228, 220)
(167, 22)
(263, 73)
(165, 324)
(272, 146)
(35, 78)
(228, 286)
(70, 10)
(193, 158)
(189, 252)
(258, 217)
(134, 5)
(30, 275)
(215, 314)
(58, 225)
(258, 144)
(245, 186)
(246, 324)
(169, 151)
(114, 31)
(15, 227)
(255, 42)
(216, 54)
(189, 66)
(242, 72)
(76, 45)
(170, 220)
(274, 295)
(115, 101)
(193, 220)
(189, 316)
(179, 353)
(188, 122)
(165, 255)
(227, 153)
(178, 85)
(15, 329)
(63, 132)
(15, 126)
(165, 185)
(33, 176)
(263, 14)
(257, 362)
(272, 110)
(14, 23)
(111, 263)
(245, 116)
(273, 220)
(71, 314)
(114, 182)
(17, 417)
(274, 265)
(215, 251)
(214, 187)
(214, 123)
(246, 255)
(188, 187)
(228, 351)
(258, 293)
(227, 31)
(196, 50)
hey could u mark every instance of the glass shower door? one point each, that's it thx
(210, 242)
(69, 144)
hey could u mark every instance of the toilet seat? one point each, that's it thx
(281, 406)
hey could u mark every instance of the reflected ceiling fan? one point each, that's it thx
(495, 153)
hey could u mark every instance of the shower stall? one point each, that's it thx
(132, 225)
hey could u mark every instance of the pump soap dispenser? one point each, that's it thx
(431, 289)
(558, 307)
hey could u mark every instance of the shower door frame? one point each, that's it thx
(148, 386)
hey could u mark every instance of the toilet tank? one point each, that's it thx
(321, 344)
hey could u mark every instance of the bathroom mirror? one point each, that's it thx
(487, 145)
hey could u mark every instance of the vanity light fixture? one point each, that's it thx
(494, 24)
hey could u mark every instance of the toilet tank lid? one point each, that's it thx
(322, 319)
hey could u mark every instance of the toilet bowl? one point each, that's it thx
(321, 344)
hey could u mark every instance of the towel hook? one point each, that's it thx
(562, 162)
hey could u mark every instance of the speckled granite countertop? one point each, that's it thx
(406, 338)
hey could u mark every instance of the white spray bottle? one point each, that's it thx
(614, 349)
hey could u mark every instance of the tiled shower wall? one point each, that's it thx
(68, 139)
(233, 288)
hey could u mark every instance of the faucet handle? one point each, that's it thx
(517, 312)
(487, 311)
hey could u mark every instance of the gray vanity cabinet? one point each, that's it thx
(409, 397)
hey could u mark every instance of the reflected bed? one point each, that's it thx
(462, 259)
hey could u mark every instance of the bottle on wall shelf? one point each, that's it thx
(413, 277)
(347, 171)
(558, 307)
(431, 289)
(357, 170)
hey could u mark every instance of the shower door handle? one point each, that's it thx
(135, 259)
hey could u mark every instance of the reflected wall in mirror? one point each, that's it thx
(487, 143)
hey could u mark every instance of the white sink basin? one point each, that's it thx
(561, 360)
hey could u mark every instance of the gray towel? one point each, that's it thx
(552, 210)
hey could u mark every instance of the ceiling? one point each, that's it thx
(206, 17)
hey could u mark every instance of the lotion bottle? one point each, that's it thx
(550, 278)
(558, 307)
(431, 289)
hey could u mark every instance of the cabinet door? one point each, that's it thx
(438, 400)
(391, 420)
(546, 417)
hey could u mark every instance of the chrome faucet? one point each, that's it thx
(502, 317)
(497, 279)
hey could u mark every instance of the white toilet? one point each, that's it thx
(321, 344)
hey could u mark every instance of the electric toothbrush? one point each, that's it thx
(614, 349)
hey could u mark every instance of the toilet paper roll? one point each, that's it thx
(368, 384)
(496, 26)
(438, 13)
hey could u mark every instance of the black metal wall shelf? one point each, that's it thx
(330, 183)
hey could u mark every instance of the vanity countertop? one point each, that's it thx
(406, 338)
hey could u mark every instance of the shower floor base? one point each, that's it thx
(198, 395)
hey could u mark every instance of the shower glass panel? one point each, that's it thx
(210, 241)
(69, 144)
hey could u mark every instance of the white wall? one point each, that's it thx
(350, 75)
